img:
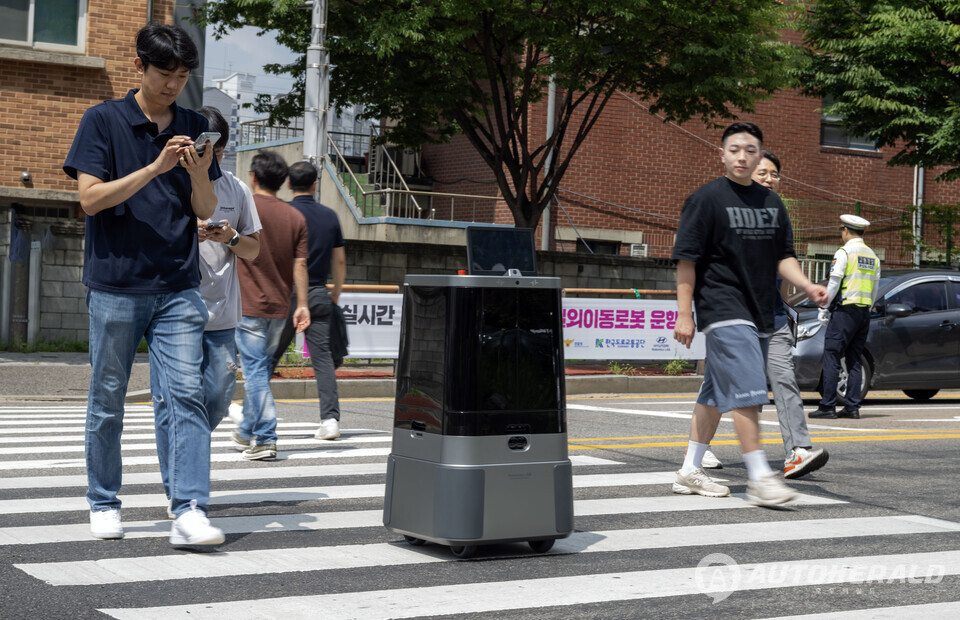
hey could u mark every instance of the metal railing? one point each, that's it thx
(374, 200)
(816, 269)
(260, 130)
(380, 190)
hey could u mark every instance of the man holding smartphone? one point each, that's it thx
(141, 271)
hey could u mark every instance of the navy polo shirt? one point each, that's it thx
(323, 234)
(147, 244)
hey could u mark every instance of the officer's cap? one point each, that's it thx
(854, 222)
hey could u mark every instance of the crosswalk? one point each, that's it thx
(305, 539)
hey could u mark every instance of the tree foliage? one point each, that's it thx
(478, 67)
(891, 68)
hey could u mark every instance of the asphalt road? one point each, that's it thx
(877, 528)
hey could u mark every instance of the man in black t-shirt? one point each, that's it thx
(734, 237)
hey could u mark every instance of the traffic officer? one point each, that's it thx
(851, 292)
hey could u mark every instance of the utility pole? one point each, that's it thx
(546, 230)
(316, 96)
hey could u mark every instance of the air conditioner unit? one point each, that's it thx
(638, 250)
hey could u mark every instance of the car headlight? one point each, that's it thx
(808, 329)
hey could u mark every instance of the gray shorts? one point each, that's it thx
(735, 368)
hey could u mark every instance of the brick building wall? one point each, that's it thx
(43, 95)
(634, 171)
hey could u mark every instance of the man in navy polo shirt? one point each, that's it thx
(143, 186)
(327, 258)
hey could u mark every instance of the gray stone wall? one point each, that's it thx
(63, 308)
(375, 262)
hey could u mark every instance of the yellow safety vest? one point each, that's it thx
(859, 277)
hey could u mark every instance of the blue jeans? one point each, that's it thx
(173, 326)
(219, 374)
(257, 339)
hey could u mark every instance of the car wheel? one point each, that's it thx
(921, 394)
(842, 380)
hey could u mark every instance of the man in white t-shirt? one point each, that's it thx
(232, 231)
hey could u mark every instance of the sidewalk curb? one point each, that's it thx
(575, 385)
(292, 389)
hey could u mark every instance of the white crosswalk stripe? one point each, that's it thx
(129, 570)
(315, 512)
(528, 593)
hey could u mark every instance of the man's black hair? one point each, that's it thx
(773, 158)
(218, 124)
(741, 127)
(167, 47)
(269, 170)
(303, 175)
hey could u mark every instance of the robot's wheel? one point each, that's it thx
(416, 542)
(464, 552)
(541, 546)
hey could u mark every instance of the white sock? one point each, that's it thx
(757, 465)
(694, 457)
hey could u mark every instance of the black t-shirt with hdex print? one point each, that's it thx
(736, 235)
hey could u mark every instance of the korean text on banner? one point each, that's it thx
(628, 329)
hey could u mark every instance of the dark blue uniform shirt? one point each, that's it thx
(323, 233)
(147, 244)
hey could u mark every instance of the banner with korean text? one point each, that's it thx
(373, 324)
(593, 329)
(624, 329)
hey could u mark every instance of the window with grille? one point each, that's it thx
(833, 133)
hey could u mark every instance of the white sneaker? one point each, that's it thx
(170, 514)
(769, 491)
(698, 482)
(106, 524)
(710, 461)
(235, 413)
(329, 429)
(193, 528)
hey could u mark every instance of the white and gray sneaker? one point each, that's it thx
(698, 482)
(329, 429)
(710, 461)
(235, 413)
(769, 491)
(106, 524)
(192, 528)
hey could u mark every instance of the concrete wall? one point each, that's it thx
(374, 262)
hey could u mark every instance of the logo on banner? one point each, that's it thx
(567, 342)
(662, 344)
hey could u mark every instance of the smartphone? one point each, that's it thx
(214, 226)
(201, 142)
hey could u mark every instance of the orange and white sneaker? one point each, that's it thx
(802, 461)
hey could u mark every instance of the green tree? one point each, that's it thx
(891, 69)
(478, 67)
